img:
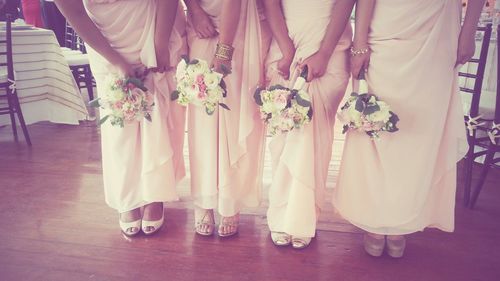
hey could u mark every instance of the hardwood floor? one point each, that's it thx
(56, 226)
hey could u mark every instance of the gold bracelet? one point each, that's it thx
(224, 52)
(357, 52)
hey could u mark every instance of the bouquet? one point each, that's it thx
(284, 109)
(364, 112)
(126, 100)
(199, 85)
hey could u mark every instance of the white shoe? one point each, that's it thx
(300, 242)
(151, 227)
(281, 239)
(130, 228)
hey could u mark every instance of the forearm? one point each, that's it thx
(364, 14)
(339, 19)
(474, 8)
(277, 23)
(75, 14)
(165, 20)
(230, 17)
(193, 7)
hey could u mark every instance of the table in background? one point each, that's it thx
(45, 85)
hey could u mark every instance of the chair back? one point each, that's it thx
(72, 40)
(8, 60)
(478, 74)
(497, 104)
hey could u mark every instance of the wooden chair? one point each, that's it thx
(474, 120)
(8, 82)
(78, 61)
(492, 144)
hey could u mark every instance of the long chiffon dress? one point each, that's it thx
(300, 158)
(142, 162)
(226, 148)
(406, 181)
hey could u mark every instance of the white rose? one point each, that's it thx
(212, 80)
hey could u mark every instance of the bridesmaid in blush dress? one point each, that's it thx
(315, 34)
(142, 162)
(406, 181)
(226, 148)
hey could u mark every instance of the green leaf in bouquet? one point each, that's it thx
(185, 58)
(137, 82)
(194, 61)
(277, 87)
(360, 105)
(302, 102)
(103, 120)
(95, 103)
(225, 70)
(394, 119)
(345, 128)
(371, 108)
(257, 96)
(147, 116)
(224, 88)
(310, 113)
(223, 105)
(174, 95)
(304, 72)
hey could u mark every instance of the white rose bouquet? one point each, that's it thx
(284, 109)
(126, 100)
(364, 112)
(199, 85)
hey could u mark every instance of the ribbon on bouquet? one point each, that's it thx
(494, 133)
(473, 123)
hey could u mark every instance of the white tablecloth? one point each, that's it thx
(45, 86)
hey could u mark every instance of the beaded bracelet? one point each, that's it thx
(224, 52)
(355, 52)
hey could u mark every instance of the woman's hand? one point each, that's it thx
(285, 62)
(359, 64)
(124, 67)
(202, 24)
(162, 61)
(466, 47)
(316, 65)
(222, 66)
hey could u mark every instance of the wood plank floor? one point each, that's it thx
(56, 226)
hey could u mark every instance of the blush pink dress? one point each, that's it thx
(226, 149)
(300, 158)
(406, 181)
(142, 162)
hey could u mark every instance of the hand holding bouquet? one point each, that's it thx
(199, 85)
(284, 109)
(126, 100)
(364, 112)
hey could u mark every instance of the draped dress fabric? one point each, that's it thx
(300, 158)
(226, 149)
(406, 181)
(143, 161)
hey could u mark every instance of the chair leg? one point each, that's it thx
(484, 173)
(12, 113)
(21, 119)
(469, 162)
(88, 83)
